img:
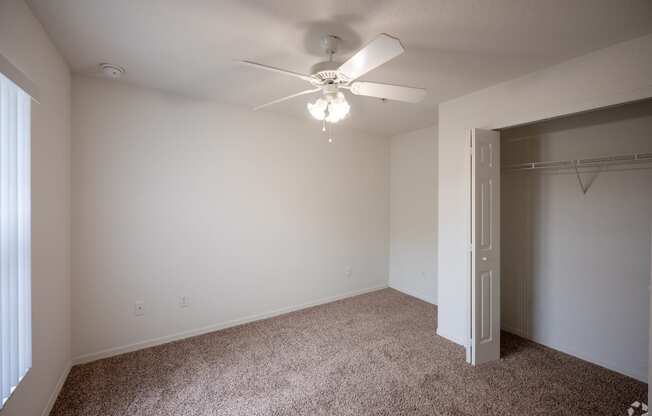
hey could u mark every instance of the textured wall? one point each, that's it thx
(244, 212)
(25, 44)
(413, 189)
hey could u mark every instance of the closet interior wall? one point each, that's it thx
(575, 267)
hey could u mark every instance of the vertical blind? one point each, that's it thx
(15, 237)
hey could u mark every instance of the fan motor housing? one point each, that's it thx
(327, 72)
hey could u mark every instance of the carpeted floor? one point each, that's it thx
(375, 354)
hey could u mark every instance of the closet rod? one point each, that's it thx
(579, 163)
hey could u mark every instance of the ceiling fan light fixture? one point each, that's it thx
(331, 108)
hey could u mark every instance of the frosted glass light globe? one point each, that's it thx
(332, 108)
(318, 108)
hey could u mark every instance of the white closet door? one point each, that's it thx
(485, 246)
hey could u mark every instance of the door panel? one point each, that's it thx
(485, 246)
(485, 321)
(486, 195)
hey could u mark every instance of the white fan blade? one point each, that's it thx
(382, 49)
(388, 91)
(287, 98)
(278, 70)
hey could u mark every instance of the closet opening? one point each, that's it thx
(575, 235)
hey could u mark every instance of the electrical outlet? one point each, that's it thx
(184, 301)
(139, 308)
(348, 271)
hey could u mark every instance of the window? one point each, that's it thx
(15, 237)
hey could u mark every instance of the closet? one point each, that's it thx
(576, 211)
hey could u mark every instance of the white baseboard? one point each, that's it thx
(56, 390)
(86, 358)
(413, 294)
(643, 377)
(458, 341)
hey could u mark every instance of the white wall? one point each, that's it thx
(244, 212)
(413, 229)
(606, 77)
(25, 44)
(576, 267)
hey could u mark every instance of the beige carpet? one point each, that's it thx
(375, 354)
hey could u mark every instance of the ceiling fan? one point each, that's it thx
(331, 79)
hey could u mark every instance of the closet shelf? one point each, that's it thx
(580, 163)
(577, 164)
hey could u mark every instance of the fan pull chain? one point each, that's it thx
(323, 125)
(330, 133)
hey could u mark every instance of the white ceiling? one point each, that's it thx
(453, 47)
